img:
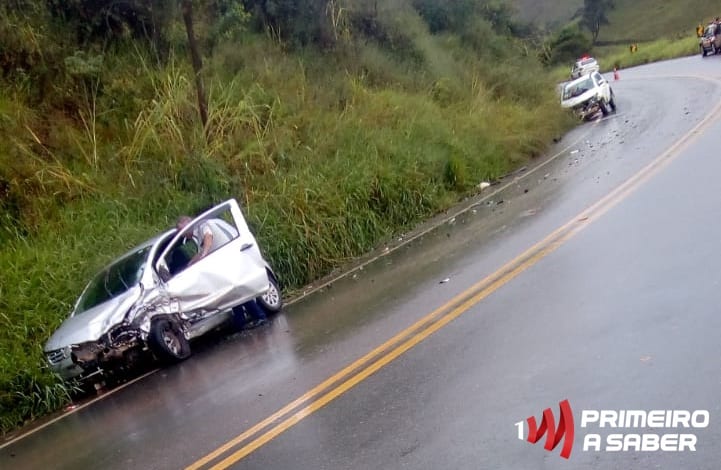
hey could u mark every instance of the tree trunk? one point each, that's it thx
(197, 63)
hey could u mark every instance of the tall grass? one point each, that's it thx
(662, 49)
(649, 20)
(330, 153)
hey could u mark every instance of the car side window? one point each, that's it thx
(180, 255)
(221, 228)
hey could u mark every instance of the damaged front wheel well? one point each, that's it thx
(167, 341)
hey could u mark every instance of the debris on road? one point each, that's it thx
(445, 280)
(483, 185)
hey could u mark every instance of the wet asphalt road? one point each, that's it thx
(619, 310)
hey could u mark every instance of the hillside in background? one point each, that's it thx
(648, 20)
(631, 20)
(551, 13)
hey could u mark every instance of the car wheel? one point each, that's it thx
(604, 108)
(612, 103)
(271, 301)
(167, 342)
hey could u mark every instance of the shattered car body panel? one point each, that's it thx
(112, 320)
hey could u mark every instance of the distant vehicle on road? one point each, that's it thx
(710, 42)
(584, 66)
(587, 95)
(156, 298)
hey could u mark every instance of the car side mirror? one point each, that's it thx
(163, 272)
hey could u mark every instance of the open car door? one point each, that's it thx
(232, 273)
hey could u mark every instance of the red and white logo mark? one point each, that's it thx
(548, 427)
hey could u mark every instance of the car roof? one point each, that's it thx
(580, 79)
(156, 239)
(148, 243)
(586, 61)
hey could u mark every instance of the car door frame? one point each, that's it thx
(235, 286)
(603, 85)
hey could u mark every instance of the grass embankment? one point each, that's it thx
(630, 20)
(649, 20)
(330, 154)
(547, 12)
(662, 49)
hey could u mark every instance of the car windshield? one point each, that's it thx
(114, 280)
(577, 89)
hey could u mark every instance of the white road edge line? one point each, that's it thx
(75, 410)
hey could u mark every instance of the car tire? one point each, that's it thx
(271, 301)
(612, 103)
(604, 108)
(167, 342)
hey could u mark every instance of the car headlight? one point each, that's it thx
(58, 355)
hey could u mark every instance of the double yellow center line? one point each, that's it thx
(348, 377)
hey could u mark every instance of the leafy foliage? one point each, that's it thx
(595, 15)
(567, 45)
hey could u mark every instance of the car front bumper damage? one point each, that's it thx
(116, 350)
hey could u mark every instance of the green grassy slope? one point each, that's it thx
(631, 20)
(648, 20)
(546, 11)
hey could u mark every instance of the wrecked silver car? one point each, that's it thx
(158, 297)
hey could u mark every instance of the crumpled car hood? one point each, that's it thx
(580, 99)
(92, 324)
